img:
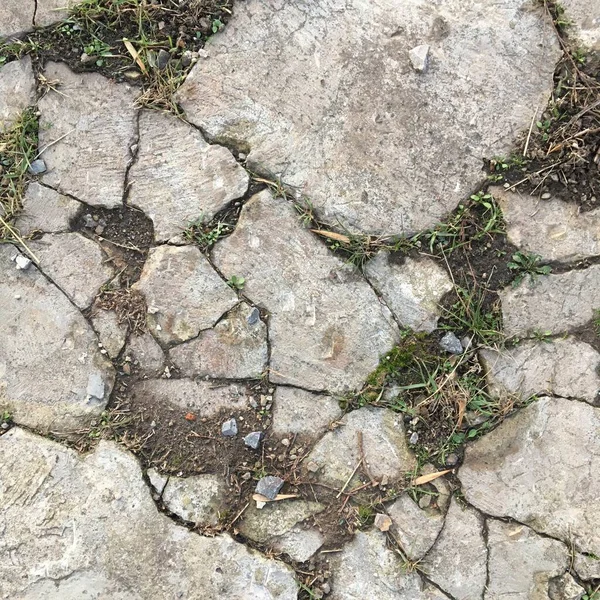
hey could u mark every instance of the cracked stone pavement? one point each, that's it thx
(323, 96)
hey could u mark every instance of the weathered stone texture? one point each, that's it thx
(87, 126)
(344, 116)
(327, 327)
(74, 263)
(16, 17)
(553, 229)
(45, 210)
(17, 88)
(368, 569)
(183, 292)
(457, 561)
(303, 413)
(74, 526)
(235, 348)
(412, 290)
(52, 375)
(111, 333)
(540, 467)
(417, 529)
(197, 499)
(179, 178)
(385, 449)
(584, 18)
(522, 563)
(552, 303)
(562, 367)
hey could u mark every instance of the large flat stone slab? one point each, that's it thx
(17, 88)
(540, 467)
(563, 367)
(412, 289)
(368, 569)
(44, 209)
(235, 348)
(52, 375)
(74, 263)
(554, 229)
(385, 448)
(183, 292)
(552, 303)
(344, 117)
(521, 562)
(327, 327)
(584, 18)
(75, 525)
(87, 127)
(457, 562)
(201, 397)
(16, 17)
(178, 177)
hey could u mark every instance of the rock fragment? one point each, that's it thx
(144, 352)
(87, 126)
(111, 333)
(416, 529)
(512, 471)
(303, 413)
(554, 229)
(458, 560)
(52, 11)
(37, 167)
(522, 563)
(229, 428)
(412, 289)
(253, 439)
(75, 264)
(366, 568)
(269, 486)
(49, 357)
(45, 210)
(178, 178)
(327, 327)
(197, 499)
(551, 304)
(235, 348)
(183, 292)
(16, 18)
(450, 343)
(278, 524)
(584, 21)
(384, 444)
(95, 512)
(563, 367)
(419, 58)
(17, 87)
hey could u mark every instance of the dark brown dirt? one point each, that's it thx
(125, 234)
(164, 24)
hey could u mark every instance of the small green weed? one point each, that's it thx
(206, 235)
(236, 282)
(525, 263)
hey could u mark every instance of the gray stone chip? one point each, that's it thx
(269, 486)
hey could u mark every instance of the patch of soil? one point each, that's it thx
(125, 234)
(563, 152)
(99, 30)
